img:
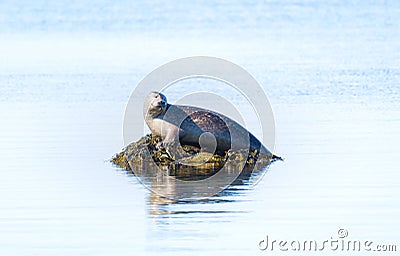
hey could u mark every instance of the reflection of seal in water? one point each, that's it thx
(199, 127)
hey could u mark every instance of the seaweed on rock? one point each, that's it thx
(192, 162)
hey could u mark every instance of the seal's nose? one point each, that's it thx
(162, 103)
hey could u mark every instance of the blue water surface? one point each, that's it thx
(331, 71)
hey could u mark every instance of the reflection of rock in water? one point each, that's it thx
(185, 173)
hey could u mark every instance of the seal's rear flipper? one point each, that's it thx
(264, 151)
(276, 158)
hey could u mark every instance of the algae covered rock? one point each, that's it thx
(186, 161)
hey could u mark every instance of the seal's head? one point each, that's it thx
(155, 104)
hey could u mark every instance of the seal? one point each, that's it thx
(206, 129)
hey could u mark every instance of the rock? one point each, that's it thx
(191, 162)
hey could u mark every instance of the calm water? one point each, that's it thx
(331, 72)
